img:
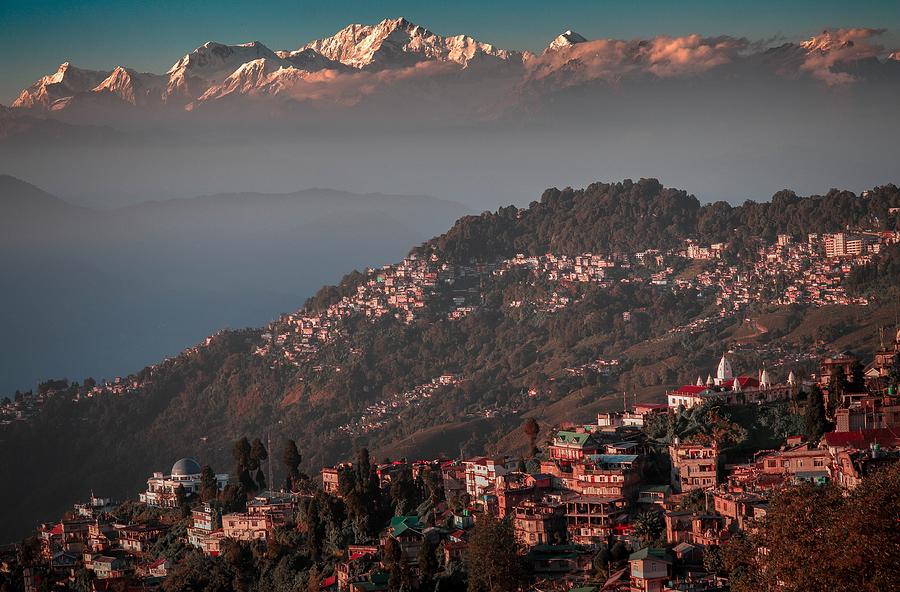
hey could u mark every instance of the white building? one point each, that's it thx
(186, 473)
(482, 472)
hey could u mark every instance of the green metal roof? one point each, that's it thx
(402, 524)
(579, 438)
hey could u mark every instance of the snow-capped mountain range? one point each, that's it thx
(360, 60)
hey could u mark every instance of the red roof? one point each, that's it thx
(746, 381)
(863, 438)
(328, 582)
(691, 389)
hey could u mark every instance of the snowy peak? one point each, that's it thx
(245, 79)
(212, 58)
(566, 39)
(310, 60)
(211, 64)
(399, 42)
(65, 82)
(134, 87)
(825, 42)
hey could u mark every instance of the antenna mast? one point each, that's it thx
(269, 446)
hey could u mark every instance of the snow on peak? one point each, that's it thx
(310, 60)
(212, 59)
(137, 88)
(65, 82)
(211, 64)
(824, 42)
(566, 39)
(399, 42)
(247, 78)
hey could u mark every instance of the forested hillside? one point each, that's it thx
(632, 216)
(524, 344)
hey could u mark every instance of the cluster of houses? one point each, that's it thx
(786, 272)
(585, 491)
(793, 272)
(402, 291)
(24, 406)
(379, 414)
(587, 267)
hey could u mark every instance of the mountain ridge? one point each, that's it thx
(395, 50)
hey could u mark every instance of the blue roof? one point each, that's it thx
(617, 458)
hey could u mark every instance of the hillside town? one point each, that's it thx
(612, 504)
(785, 272)
(809, 272)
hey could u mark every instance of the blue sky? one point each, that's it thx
(37, 35)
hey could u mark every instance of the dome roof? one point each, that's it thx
(186, 466)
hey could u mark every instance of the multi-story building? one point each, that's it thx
(570, 446)
(738, 508)
(277, 507)
(695, 528)
(590, 519)
(514, 488)
(205, 531)
(331, 481)
(798, 458)
(851, 466)
(694, 465)
(482, 472)
(408, 533)
(868, 413)
(829, 366)
(137, 538)
(242, 526)
(454, 477)
(608, 475)
(540, 523)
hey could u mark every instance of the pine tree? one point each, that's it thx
(240, 452)
(857, 376)
(209, 486)
(180, 495)
(291, 459)
(837, 385)
(532, 429)
(814, 421)
(392, 558)
(428, 566)
(491, 559)
(258, 454)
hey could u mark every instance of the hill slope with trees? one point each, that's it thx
(512, 362)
